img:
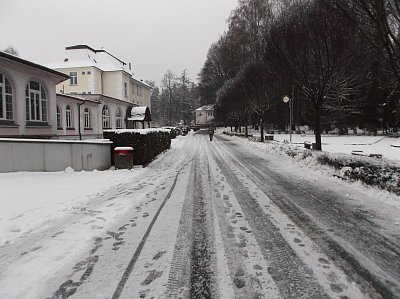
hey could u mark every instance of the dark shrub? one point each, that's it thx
(146, 144)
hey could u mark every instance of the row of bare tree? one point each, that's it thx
(177, 100)
(338, 61)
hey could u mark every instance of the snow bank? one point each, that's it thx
(382, 173)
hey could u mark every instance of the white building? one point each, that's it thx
(204, 115)
(28, 105)
(97, 72)
(31, 108)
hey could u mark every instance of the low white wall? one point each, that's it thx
(53, 155)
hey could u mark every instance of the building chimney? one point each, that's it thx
(130, 66)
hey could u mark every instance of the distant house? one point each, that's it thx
(204, 115)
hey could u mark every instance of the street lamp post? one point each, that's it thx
(286, 99)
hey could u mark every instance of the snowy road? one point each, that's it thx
(214, 220)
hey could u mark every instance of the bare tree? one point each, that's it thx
(379, 22)
(311, 47)
(11, 50)
(169, 85)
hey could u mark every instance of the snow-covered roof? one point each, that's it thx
(77, 98)
(61, 76)
(205, 108)
(140, 114)
(85, 56)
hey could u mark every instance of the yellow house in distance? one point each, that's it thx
(97, 72)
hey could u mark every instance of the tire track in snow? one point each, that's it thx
(287, 270)
(201, 274)
(179, 276)
(241, 251)
(351, 227)
(128, 270)
(192, 273)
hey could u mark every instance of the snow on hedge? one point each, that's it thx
(140, 131)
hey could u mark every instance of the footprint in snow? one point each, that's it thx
(336, 288)
(323, 261)
(96, 227)
(257, 267)
(159, 255)
(153, 275)
(57, 233)
(124, 227)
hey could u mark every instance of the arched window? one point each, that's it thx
(6, 99)
(68, 117)
(59, 119)
(87, 117)
(118, 119)
(106, 117)
(36, 102)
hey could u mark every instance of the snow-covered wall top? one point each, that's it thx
(140, 131)
(86, 141)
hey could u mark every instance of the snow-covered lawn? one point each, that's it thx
(30, 200)
(346, 144)
(387, 146)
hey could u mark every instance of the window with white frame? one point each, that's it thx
(36, 102)
(137, 89)
(106, 117)
(118, 119)
(59, 119)
(6, 99)
(68, 117)
(125, 89)
(87, 118)
(73, 78)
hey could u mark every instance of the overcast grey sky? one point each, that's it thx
(155, 35)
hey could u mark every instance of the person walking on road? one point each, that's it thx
(211, 132)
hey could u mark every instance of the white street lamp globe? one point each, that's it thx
(286, 99)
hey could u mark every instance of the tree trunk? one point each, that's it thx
(262, 129)
(317, 127)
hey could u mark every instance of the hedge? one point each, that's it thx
(383, 174)
(146, 143)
